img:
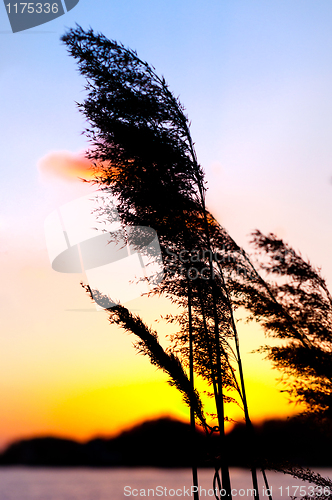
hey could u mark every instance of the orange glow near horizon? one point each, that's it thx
(95, 384)
(84, 413)
(71, 374)
(74, 375)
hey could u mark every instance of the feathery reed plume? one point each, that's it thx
(149, 345)
(296, 306)
(143, 152)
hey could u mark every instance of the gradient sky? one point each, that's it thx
(255, 78)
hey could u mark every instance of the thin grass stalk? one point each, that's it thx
(243, 389)
(220, 400)
(266, 484)
(191, 370)
(220, 412)
(239, 361)
(215, 388)
(192, 412)
(216, 484)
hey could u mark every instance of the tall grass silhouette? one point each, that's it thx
(142, 150)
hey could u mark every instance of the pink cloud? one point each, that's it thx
(65, 165)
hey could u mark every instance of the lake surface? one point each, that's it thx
(19, 483)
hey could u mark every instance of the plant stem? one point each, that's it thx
(192, 412)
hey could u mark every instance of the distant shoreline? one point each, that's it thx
(166, 443)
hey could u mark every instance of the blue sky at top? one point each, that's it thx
(253, 75)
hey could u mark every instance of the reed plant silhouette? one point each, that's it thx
(289, 297)
(294, 305)
(142, 150)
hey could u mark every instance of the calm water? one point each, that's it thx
(119, 484)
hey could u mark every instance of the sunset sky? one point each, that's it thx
(255, 77)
